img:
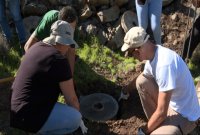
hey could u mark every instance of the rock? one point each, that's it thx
(120, 2)
(65, 2)
(91, 29)
(30, 24)
(169, 37)
(23, 3)
(118, 37)
(53, 2)
(131, 5)
(34, 9)
(109, 15)
(167, 2)
(102, 37)
(174, 17)
(128, 20)
(98, 2)
(175, 42)
(81, 32)
(196, 55)
(86, 12)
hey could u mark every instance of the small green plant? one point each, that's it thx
(194, 68)
(9, 62)
(94, 53)
(61, 99)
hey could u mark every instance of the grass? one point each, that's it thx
(99, 56)
(194, 69)
(9, 63)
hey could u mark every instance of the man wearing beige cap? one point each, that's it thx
(165, 87)
(44, 73)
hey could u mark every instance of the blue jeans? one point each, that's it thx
(14, 8)
(152, 10)
(62, 120)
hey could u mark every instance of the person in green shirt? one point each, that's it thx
(42, 31)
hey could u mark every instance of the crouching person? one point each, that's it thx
(165, 87)
(43, 74)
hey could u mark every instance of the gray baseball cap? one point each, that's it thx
(61, 32)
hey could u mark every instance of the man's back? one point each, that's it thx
(36, 86)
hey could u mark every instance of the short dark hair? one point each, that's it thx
(68, 14)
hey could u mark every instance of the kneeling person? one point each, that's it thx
(43, 74)
(165, 87)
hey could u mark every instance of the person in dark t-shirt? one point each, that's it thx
(43, 74)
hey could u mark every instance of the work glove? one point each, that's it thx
(83, 127)
(123, 95)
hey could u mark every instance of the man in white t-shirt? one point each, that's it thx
(165, 87)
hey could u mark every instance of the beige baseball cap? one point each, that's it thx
(61, 32)
(135, 37)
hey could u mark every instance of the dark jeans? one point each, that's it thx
(195, 39)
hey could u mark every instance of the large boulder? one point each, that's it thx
(86, 12)
(167, 2)
(128, 20)
(98, 2)
(109, 15)
(196, 55)
(120, 2)
(102, 37)
(30, 24)
(34, 9)
(118, 37)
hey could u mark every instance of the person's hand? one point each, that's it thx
(83, 127)
(123, 95)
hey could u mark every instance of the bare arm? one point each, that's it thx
(161, 111)
(71, 59)
(32, 40)
(68, 91)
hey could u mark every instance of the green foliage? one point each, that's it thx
(95, 54)
(196, 79)
(61, 99)
(9, 63)
(194, 68)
